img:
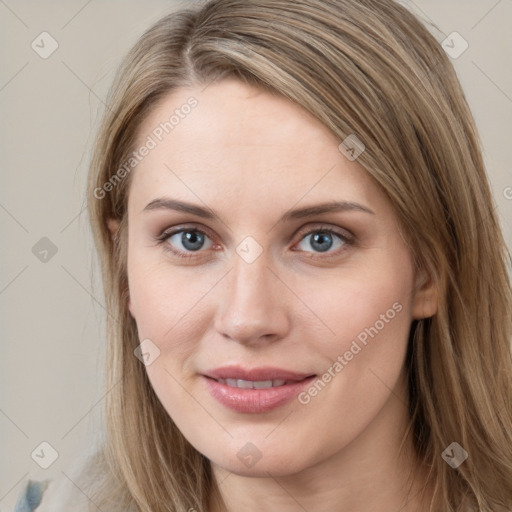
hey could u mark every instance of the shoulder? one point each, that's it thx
(60, 493)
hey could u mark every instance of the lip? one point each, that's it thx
(246, 400)
(263, 373)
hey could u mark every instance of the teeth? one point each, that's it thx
(252, 384)
(263, 384)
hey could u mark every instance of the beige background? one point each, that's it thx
(51, 366)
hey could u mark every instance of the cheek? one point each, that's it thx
(150, 301)
(163, 300)
(373, 303)
(166, 307)
(370, 313)
(171, 308)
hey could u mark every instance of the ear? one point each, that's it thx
(426, 297)
(113, 226)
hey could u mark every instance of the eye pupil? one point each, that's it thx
(324, 241)
(192, 240)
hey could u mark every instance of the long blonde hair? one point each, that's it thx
(364, 67)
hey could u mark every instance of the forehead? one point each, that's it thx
(243, 143)
(231, 112)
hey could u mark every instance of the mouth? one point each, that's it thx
(253, 384)
(255, 390)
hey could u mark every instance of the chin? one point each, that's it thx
(250, 459)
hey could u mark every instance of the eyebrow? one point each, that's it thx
(299, 213)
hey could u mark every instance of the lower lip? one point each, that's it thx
(254, 400)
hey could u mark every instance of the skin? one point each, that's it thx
(251, 156)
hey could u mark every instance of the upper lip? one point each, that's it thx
(255, 374)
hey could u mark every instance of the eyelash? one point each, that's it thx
(165, 235)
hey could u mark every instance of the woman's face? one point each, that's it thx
(238, 271)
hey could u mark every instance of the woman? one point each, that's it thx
(309, 306)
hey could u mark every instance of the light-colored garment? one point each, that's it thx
(71, 490)
(31, 495)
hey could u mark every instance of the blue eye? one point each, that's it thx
(321, 240)
(191, 240)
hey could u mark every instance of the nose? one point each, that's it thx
(253, 304)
